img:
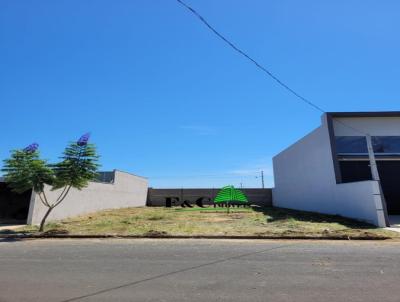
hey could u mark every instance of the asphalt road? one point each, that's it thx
(198, 270)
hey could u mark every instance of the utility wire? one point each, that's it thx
(259, 65)
(243, 53)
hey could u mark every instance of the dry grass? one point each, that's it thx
(210, 221)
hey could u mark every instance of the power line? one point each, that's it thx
(259, 65)
(247, 56)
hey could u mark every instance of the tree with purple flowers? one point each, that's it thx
(25, 170)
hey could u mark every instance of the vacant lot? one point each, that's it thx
(213, 221)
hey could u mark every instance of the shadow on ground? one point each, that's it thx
(274, 214)
(6, 231)
(11, 240)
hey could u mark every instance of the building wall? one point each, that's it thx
(305, 180)
(126, 190)
(157, 197)
(375, 126)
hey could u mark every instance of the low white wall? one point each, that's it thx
(360, 200)
(305, 180)
(127, 190)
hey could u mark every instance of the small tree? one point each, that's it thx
(25, 170)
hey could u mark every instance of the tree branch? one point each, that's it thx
(45, 198)
(61, 193)
(65, 195)
(43, 201)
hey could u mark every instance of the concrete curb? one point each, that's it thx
(65, 236)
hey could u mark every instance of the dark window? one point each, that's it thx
(351, 144)
(386, 144)
(355, 171)
(389, 172)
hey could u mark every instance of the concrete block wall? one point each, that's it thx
(127, 190)
(157, 197)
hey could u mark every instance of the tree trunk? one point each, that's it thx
(44, 219)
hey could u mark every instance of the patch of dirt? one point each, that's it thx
(153, 233)
(56, 232)
(208, 218)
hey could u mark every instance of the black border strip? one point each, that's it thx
(336, 166)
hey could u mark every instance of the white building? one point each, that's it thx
(328, 170)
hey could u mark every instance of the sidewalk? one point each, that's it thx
(394, 223)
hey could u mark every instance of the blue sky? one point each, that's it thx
(164, 98)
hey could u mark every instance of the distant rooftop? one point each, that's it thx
(106, 176)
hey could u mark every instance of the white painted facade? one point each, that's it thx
(127, 190)
(305, 175)
(389, 126)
